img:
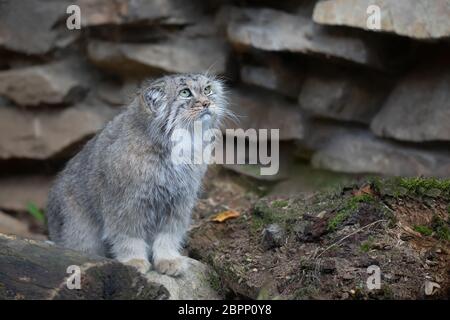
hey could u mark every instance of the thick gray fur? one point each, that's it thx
(121, 196)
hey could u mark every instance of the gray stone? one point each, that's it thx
(31, 26)
(16, 192)
(54, 83)
(260, 109)
(420, 19)
(176, 55)
(419, 107)
(117, 94)
(342, 97)
(274, 77)
(273, 30)
(273, 236)
(195, 284)
(12, 226)
(45, 134)
(360, 152)
(120, 12)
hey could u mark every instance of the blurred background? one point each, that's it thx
(349, 102)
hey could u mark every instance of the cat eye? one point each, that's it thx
(207, 90)
(185, 93)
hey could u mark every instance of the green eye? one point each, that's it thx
(207, 90)
(185, 93)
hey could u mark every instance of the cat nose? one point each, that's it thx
(204, 103)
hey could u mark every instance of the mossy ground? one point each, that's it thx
(332, 263)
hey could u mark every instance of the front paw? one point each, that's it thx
(141, 264)
(173, 267)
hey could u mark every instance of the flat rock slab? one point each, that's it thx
(419, 19)
(272, 30)
(44, 134)
(265, 110)
(361, 152)
(342, 96)
(59, 82)
(120, 12)
(418, 109)
(178, 55)
(32, 26)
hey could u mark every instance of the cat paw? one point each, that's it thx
(172, 267)
(141, 264)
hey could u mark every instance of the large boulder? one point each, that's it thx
(420, 19)
(273, 30)
(419, 107)
(58, 82)
(172, 55)
(360, 152)
(33, 26)
(45, 134)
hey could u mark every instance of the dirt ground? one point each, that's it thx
(322, 245)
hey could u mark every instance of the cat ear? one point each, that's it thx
(153, 95)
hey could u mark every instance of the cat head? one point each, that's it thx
(178, 101)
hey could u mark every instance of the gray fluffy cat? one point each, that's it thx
(121, 196)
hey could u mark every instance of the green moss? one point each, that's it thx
(424, 230)
(441, 228)
(215, 282)
(266, 212)
(349, 208)
(367, 245)
(400, 186)
(263, 215)
(280, 203)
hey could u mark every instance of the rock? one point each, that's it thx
(416, 19)
(120, 12)
(273, 30)
(19, 21)
(273, 236)
(54, 83)
(117, 94)
(177, 55)
(430, 287)
(361, 152)
(13, 226)
(37, 270)
(45, 134)
(301, 229)
(264, 110)
(418, 109)
(310, 229)
(16, 192)
(274, 74)
(348, 97)
(194, 285)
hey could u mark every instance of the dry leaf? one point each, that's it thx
(364, 190)
(225, 215)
